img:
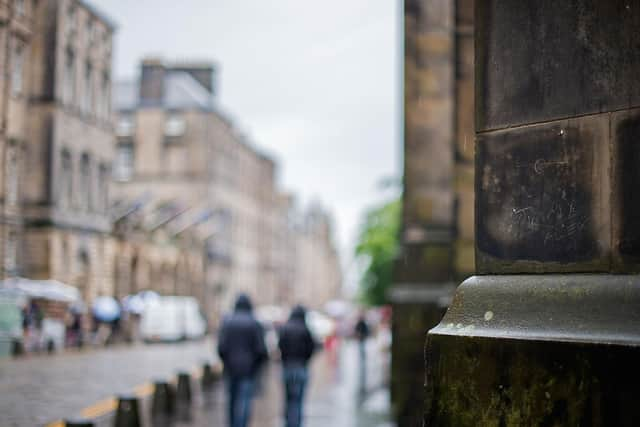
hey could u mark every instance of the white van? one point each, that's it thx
(172, 319)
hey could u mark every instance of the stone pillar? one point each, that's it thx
(423, 274)
(549, 332)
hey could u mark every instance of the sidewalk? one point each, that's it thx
(42, 389)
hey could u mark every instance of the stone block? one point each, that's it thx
(625, 130)
(555, 59)
(424, 262)
(542, 198)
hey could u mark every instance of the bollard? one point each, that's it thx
(79, 422)
(208, 377)
(128, 413)
(183, 397)
(163, 400)
(183, 394)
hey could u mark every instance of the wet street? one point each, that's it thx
(40, 390)
(335, 396)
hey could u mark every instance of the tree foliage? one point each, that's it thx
(378, 246)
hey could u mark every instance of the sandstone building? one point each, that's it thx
(67, 149)
(317, 277)
(168, 195)
(16, 29)
(183, 172)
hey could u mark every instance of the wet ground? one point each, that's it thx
(336, 397)
(43, 389)
(37, 390)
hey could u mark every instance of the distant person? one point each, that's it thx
(362, 333)
(296, 348)
(32, 319)
(362, 330)
(242, 350)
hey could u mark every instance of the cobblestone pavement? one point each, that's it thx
(40, 389)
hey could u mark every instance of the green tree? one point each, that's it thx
(378, 246)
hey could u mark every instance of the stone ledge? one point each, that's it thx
(417, 293)
(591, 308)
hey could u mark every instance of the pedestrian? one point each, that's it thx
(242, 350)
(362, 333)
(296, 348)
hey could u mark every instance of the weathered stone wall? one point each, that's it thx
(570, 86)
(556, 166)
(437, 223)
(16, 31)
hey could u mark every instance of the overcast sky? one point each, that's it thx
(314, 84)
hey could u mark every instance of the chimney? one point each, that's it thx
(203, 72)
(152, 82)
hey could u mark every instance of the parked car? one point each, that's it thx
(172, 318)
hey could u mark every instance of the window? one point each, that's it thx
(124, 162)
(17, 66)
(19, 6)
(12, 174)
(105, 96)
(125, 126)
(174, 126)
(85, 182)
(69, 95)
(65, 256)
(104, 188)
(106, 44)
(91, 31)
(11, 253)
(66, 178)
(88, 89)
(71, 20)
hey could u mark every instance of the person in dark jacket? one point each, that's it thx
(296, 348)
(362, 333)
(242, 350)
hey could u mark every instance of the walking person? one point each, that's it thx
(296, 348)
(362, 333)
(242, 350)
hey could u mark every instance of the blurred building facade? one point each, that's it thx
(185, 177)
(16, 29)
(67, 150)
(317, 277)
(437, 248)
(165, 195)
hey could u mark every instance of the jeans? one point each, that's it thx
(295, 380)
(240, 394)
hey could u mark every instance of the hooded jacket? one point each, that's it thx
(296, 343)
(241, 341)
